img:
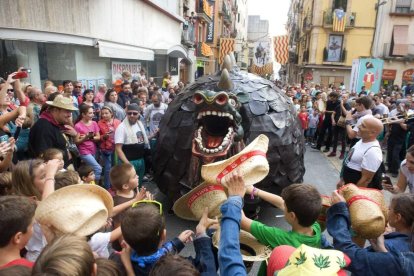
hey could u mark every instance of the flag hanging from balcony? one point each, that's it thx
(339, 20)
(280, 46)
(226, 46)
(206, 50)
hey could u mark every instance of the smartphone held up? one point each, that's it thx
(23, 73)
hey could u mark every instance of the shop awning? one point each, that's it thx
(176, 51)
(122, 51)
(400, 34)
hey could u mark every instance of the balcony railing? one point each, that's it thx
(328, 19)
(334, 57)
(307, 25)
(390, 53)
(226, 14)
(305, 56)
(187, 36)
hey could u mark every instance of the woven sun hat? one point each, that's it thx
(251, 163)
(326, 203)
(365, 208)
(191, 205)
(306, 261)
(62, 102)
(76, 209)
(250, 248)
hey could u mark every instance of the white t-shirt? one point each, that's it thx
(367, 156)
(408, 175)
(99, 244)
(153, 115)
(36, 243)
(121, 134)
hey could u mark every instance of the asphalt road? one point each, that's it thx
(320, 172)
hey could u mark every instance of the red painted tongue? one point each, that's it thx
(213, 141)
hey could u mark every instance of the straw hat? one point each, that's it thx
(79, 209)
(191, 205)
(62, 102)
(250, 248)
(305, 260)
(251, 163)
(365, 208)
(326, 203)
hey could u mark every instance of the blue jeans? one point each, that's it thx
(90, 160)
(107, 159)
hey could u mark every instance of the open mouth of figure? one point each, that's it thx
(214, 134)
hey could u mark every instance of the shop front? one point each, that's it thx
(388, 77)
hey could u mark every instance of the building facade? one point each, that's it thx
(93, 41)
(325, 36)
(394, 41)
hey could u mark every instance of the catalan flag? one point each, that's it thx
(339, 20)
(226, 47)
(280, 45)
(206, 50)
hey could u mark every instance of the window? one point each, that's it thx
(339, 4)
(334, 48)
(403, 6)
(399, 46)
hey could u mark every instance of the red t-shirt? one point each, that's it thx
(303, 117)
(22, 262)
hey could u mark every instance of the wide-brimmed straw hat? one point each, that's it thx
(251, 163)
(286, 260)
(62, 102)
(191, 205)
(80, 209)
(366, 210)
(250, 248)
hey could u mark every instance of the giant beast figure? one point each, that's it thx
(215, 117)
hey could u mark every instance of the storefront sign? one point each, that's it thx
(210, 29)
(173, 66)
(408, 75)
(119, 67)
(389, 74)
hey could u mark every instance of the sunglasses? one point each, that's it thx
(145, 201)
(133, 113)
(78, 86)
(10, 90)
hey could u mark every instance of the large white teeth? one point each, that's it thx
(208, 112)
(231, 117)
(214, 113)
(219, 114)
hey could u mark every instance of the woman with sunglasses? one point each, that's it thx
(111, 98)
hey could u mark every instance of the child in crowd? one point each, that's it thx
(107, 126)
(389, 254)
(66, 178)
(147, 240)
(53, 153)
(66, 255)
(87, 174)
(124, 182)
(16, 228)
(5, 183)
(303, 117)
(313, 125)
(88, 135)
(301, 204)
(296, 105)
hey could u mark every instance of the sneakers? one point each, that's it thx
(332, 154)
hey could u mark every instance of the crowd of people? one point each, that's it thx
(74, 165)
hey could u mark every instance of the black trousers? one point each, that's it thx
(326, 127)
(393, 155)
(339, 132)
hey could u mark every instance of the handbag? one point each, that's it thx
(341, 121)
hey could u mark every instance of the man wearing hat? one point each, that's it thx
(131, 140)
(47, 132)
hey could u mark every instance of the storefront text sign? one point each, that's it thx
(119, 67)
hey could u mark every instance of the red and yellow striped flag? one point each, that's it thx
(226, 47)
(339, 20)
(280, 47)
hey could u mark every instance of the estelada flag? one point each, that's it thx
(339, 21)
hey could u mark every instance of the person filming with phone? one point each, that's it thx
(406, 176)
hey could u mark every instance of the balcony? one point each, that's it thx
(187, 36)
(204, 11)
(307, 24)
(305, 56)
(402, 8)
(335, 57)
(328, 19)
(226, 14)
(405, 53)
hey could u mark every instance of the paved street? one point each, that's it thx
(320, 171)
